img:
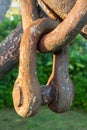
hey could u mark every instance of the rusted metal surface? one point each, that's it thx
(47, 10)
(23, 98)
(29, 12)
(9, 48)
(66, 30)
(59, 91)
(61, 82)
(26, 92)
(12, 64)
(9, 52)
(60, 7)
(47, 94)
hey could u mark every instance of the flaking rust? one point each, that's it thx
(9, 64)
(30, 95)
(60, 93)
(61, 82)
(9, 52)
(68, 29)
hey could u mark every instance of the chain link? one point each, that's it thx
(27, 95)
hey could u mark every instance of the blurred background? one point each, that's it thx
(76, 118)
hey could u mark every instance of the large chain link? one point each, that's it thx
(59, 80)
(58, 94)
(67, 29)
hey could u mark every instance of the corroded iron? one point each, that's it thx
(59, 9)
(59, 92)
(26, 92)
(13, 40)
(66, 30)
(61, 82)
(29, 12)
(9, 52)
(22, 99)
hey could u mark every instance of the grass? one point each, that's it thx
(44, 120)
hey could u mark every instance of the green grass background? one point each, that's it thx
(44, 120)
(75, 119)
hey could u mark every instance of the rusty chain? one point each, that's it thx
(58, 93)
(67, 29)
(59, 81)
